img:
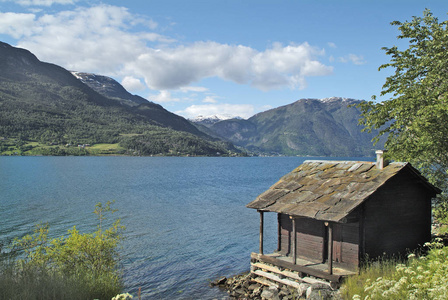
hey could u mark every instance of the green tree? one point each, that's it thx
(415, 117)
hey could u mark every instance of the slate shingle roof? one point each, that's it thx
(327, 190)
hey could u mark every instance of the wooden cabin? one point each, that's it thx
(334, 214)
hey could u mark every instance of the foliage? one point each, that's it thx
(421, 277)
(84, 264)
(414, 118)
(165, 142)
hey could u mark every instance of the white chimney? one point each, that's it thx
(380, 162)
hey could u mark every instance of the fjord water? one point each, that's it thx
(186, 218)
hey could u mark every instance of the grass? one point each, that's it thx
(41, 283)
(354, 285)
(420, 277)
(105, 149)
(36, 148)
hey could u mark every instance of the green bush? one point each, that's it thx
(78, 266)
(421, 277)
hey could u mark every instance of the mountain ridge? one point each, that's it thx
(45, 103)
(309, 126)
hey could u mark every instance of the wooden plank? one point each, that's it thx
(277, 278)
(266, 282)
(287, 273)
(298, 268)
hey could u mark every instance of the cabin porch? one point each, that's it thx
(284, 267)
(291, 266)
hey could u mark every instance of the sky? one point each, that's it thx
(219, 57)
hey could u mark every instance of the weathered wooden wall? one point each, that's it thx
(397, 217)
(346, 245)
(311, 241)
(310, 238)
(285, 234)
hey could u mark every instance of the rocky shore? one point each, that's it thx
(248, 286)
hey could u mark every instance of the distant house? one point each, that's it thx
(334, 214)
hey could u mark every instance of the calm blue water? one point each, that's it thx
(186, 218)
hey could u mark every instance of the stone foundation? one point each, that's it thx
(250, 286)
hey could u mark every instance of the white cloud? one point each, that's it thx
(163, 97)
(353, 58)
(331, 45)
(209, 99)
(9, 24)
(102, 39)
(95, 39)
(198, 89)
(277, 67)
(235, 110)
(41, 2)
(132, 84)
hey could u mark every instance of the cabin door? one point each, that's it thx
(337, 242)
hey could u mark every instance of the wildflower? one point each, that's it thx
(368, 288)
(410, 271)
(356, 297)
(412, 297)
(125, 296)
(411, 256)
(400, 267)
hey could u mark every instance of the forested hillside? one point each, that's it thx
(326, 127)
(44, 109)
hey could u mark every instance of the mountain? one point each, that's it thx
(315, 127)
(43, 106)
(110, 88)
(208, 121)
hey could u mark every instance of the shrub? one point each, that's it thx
(78, 266)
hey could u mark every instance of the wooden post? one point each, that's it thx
(279, 232)
(294, 241)
(261, 231)
(330, 247)
(362, 241)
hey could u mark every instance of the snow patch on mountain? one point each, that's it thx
(212, 119)
(335, 99)
(91, 78)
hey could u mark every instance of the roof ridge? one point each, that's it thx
(337, 161)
